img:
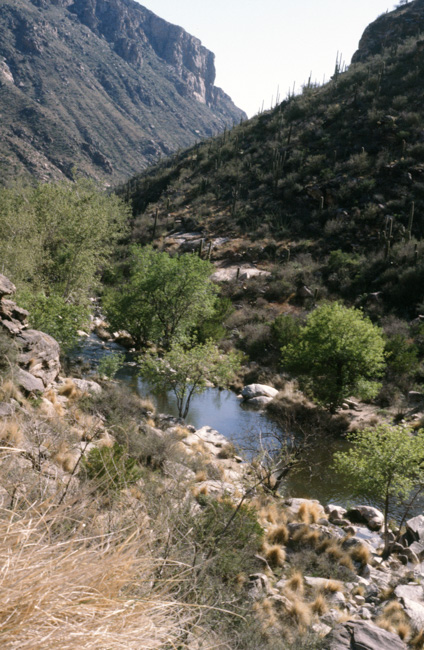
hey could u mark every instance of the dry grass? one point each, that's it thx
(274, 555)
(418, 641)
(319, 606)
(8, 391)
(309, 513)
(301, 612)
(69, 390)
(295, 583)
(331, 586)
(361, 554)
(265, 612)
(65, 457)
(201, 476)
(393, 619)
(79, 594)
(227, 451)
(307, 536)
(146, 403)
(11, 432)
(278, 534)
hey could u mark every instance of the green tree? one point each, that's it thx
(55, 240)
(188, 372)
(57, 237)
(55, 316)
(164, 297)
(387, 463)
(338, 353)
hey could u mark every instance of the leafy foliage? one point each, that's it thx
(339, 352)
(109, 364)
(55, 240)
(385, 462)
(111, 468)
(189, 371)
(164, 297)
(55, 316)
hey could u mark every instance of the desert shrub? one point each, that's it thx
(117, 403)
(232, 546)
(110, 364)
(285, 329)
(110, 468)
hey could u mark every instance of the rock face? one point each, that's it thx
(363, 635)
(39, 353)
(103, 85)
(391, 28)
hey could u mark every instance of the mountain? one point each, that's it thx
(336, 168)
(101, 86)
(390, 29)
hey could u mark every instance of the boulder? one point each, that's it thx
(415, 528)
(411, 592)
(28, 382)
(363, 635)
(7, 288)
(418, 549)
(87, 386)
(13, 326)
(294, 505)
(259, 402)
(9, 309)
(40, 354)
(368, 515)
(335, 512)
(415, 612)
(258, 390)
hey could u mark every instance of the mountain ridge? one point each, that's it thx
(103, 87)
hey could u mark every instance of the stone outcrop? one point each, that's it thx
(390, 29)
(38, 353)
(363, 635)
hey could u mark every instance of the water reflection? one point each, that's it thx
(223, 411)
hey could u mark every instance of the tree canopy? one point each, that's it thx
(55, 240)
(386, 462)
(164, 297)
(189, 371)
(338, 353)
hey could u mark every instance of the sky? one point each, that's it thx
(265, 45)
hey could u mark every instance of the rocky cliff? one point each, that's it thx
(103, 86)
(390, 29)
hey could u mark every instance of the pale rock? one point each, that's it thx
(335, 512)
(365, 614)
(373, 517)
(295, 503)
(415, 528)
(28, 382)
(410, 591)
(321, 629)
(7, 288)
(415, 612)
(259, 402)
(87, 386)
(258, 390)
(42, 352)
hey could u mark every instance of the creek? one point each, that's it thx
(223, 410)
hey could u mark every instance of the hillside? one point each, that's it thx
(103, 88)
(337, 168)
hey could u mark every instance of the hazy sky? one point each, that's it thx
(262, 44)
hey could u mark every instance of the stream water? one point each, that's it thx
(222, 410)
